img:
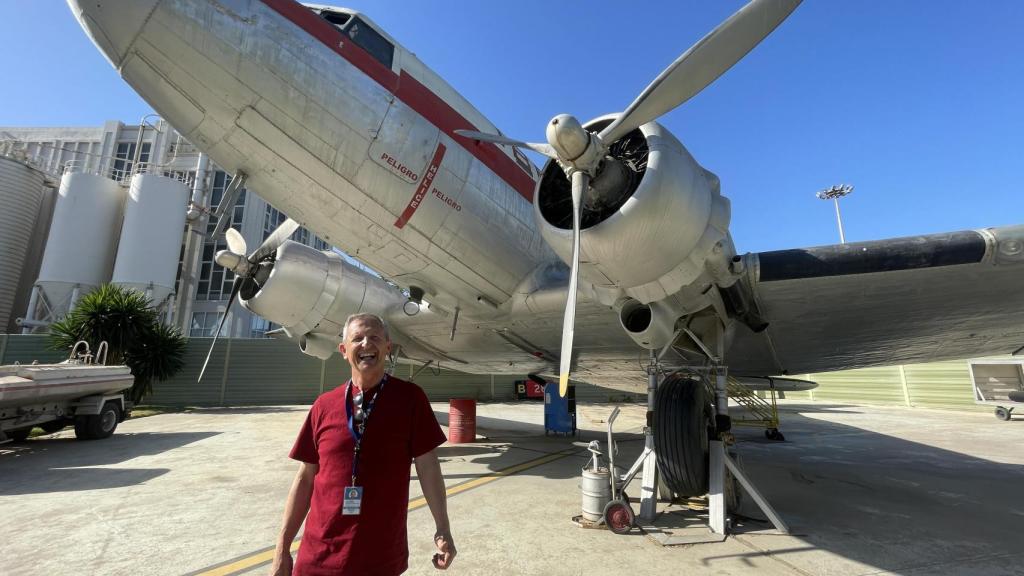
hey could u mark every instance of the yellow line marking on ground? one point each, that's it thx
(254, 560)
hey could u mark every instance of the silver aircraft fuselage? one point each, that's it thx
(362, 153)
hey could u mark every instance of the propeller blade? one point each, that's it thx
(235, 287)
(276, 238)
(235, 241)
(580, 181)
(544, 149)
(702, 63)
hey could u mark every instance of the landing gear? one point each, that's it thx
(682, 417)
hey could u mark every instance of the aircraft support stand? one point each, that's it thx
(649, 480)
(716, 448)
(719, 459)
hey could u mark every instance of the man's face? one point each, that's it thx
(365, 346)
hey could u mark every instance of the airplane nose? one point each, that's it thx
(113, 25)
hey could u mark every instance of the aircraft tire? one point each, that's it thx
(682, 416)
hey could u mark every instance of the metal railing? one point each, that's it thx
(755, 411)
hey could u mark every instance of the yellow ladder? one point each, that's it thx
(754, 410)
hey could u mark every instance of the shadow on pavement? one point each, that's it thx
(846, 480)
(64, 464)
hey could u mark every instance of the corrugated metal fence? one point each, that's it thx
(254, 372)
(269, 372)
(934, 385)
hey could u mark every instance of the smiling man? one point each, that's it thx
(352, 487)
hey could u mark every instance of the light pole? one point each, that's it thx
(834, 194)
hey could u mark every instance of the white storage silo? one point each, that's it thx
(21, 191)
(154, 218)
(80, 248)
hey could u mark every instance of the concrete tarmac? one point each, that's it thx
(865, 490)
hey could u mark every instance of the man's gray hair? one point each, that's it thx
(365, 318)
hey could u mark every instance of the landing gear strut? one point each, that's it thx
(690, 428)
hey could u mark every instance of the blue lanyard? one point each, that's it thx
(357, 432)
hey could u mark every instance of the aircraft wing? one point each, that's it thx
(903, 300)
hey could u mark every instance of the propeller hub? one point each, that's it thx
(576, 148)
(234, 262)
(568, 137)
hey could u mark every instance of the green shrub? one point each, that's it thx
(124, 319)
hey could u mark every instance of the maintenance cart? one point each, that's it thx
(998, 383)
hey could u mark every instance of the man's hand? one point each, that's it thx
(282, 565)
(446, 550)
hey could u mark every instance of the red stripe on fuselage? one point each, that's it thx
(408, 90)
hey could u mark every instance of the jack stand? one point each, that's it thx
(716, 462)
(762, 503)
(716, 486)
(649, 480)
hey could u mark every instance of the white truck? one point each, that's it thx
(82, 391)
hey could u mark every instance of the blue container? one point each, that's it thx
(559, 413)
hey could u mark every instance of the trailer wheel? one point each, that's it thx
(98, 426)
(618, 515)
(19, 435)
(1002, 413)
(682, 417)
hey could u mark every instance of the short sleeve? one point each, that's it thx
(304, 449)
(426, 432)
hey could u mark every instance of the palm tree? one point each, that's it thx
(124, 319)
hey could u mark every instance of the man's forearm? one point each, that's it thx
(428, 469)
(297, 505)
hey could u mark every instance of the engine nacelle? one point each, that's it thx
(653, 222)
(310, 293)
(322, 346)
(652, 325)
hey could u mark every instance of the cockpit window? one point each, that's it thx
(339, 19)
(368, 39)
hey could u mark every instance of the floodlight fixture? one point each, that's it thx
(834, 194)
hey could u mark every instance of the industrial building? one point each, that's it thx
(85, 247)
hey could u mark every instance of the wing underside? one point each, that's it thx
(905, 300)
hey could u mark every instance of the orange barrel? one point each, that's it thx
(461, 420)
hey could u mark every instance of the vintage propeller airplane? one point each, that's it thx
(619, 245)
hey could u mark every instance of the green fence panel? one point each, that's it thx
(266, 371)
(862, 386)
(940, 385)
(26, 348)
(184, 389)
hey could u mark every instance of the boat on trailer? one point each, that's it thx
(81, 390)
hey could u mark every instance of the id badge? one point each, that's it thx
(352, 501)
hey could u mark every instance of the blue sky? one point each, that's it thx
(917, 104)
